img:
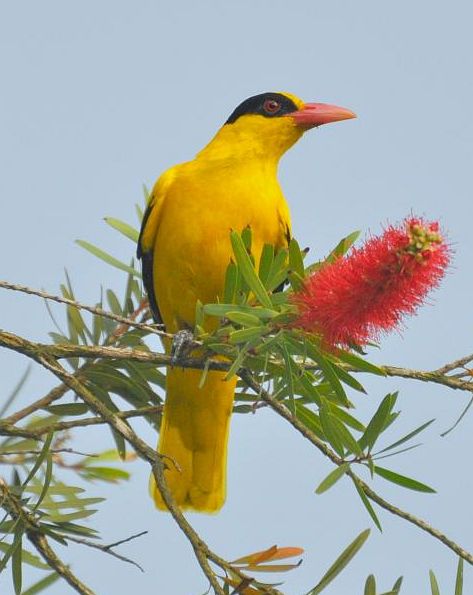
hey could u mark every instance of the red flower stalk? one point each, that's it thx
(356, 298)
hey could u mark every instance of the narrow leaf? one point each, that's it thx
(397, 585)
(341, 562)
(402, 480)
(12, 396)
(359, 363)
(39, 461)
(243, 319)
(111, 260)
(266, 260)
(370, 586)
(247, 270)
(42, 584)
(68, 409)
(367, 504)
(16, 561)
(407, 437)
(47, 479)
(434, 586)
(231, 279)
(459, 578)
(343, 246)
(332, 478)
(377, 423)
(127, 230)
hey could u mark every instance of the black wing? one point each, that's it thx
(147, 270)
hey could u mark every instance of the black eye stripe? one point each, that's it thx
(256, 105)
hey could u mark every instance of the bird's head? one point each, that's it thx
(269, 124)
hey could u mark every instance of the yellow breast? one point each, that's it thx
(192, 250)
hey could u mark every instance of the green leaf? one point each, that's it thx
(359, 363)
(47, 479)
(406, 437)
(41, 457)
(341, 562)
(108, 474)
(245, 335)
(459, 578)
(11, 546)
(328, 371)
(247, 270)
(265, 263)
(367, 504)
(402, 480)
(278, 270)
(57, 489)
(348, 379)
(378, 422)
(222, 310)
(244, 319)
(296, 262)
(12, 396)
(114, 303)
(332, 478)
(289, 373)
(309, 419)
(70, 502)
(370, 586)
(27, 557)
(71, 516)
(42, 584)
(111, 260)
(397, 585)
(330, 431)
(344, 435)
(434, 586)
(16, 560)
(343, 246)
(66, 527)
(68, 409)
(345, 417)
(247, 237)
(127, 230)
(231, 280)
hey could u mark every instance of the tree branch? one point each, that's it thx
(37, 433)
(13, 506)
(282, 410)
(34, 351)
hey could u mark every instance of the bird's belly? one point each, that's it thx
(193, 250)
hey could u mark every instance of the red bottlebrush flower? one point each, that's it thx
(356, 298)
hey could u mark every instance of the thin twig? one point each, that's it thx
(108, 549)
(92, 309)
(459, 363)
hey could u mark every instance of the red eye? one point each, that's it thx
(271, 106)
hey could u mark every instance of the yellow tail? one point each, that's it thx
(194, 433)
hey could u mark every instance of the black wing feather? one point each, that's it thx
(147, 270)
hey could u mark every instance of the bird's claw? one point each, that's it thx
(182, 343)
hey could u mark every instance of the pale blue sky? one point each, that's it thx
(100, 97)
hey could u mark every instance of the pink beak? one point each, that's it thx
(316, 114)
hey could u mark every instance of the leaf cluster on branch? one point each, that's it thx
(103, 361)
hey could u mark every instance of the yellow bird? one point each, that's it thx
(185, 248)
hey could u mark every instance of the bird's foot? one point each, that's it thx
(182, 343)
